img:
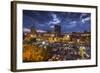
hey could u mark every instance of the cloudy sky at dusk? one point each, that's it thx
(45, 20)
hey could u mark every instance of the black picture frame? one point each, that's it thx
(14, 34)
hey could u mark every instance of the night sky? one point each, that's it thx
(45, 20)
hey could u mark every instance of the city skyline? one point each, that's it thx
(46, 20)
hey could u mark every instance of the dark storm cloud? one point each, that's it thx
(45, 20)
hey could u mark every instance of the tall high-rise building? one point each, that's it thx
(33, 30)
(57, 30)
